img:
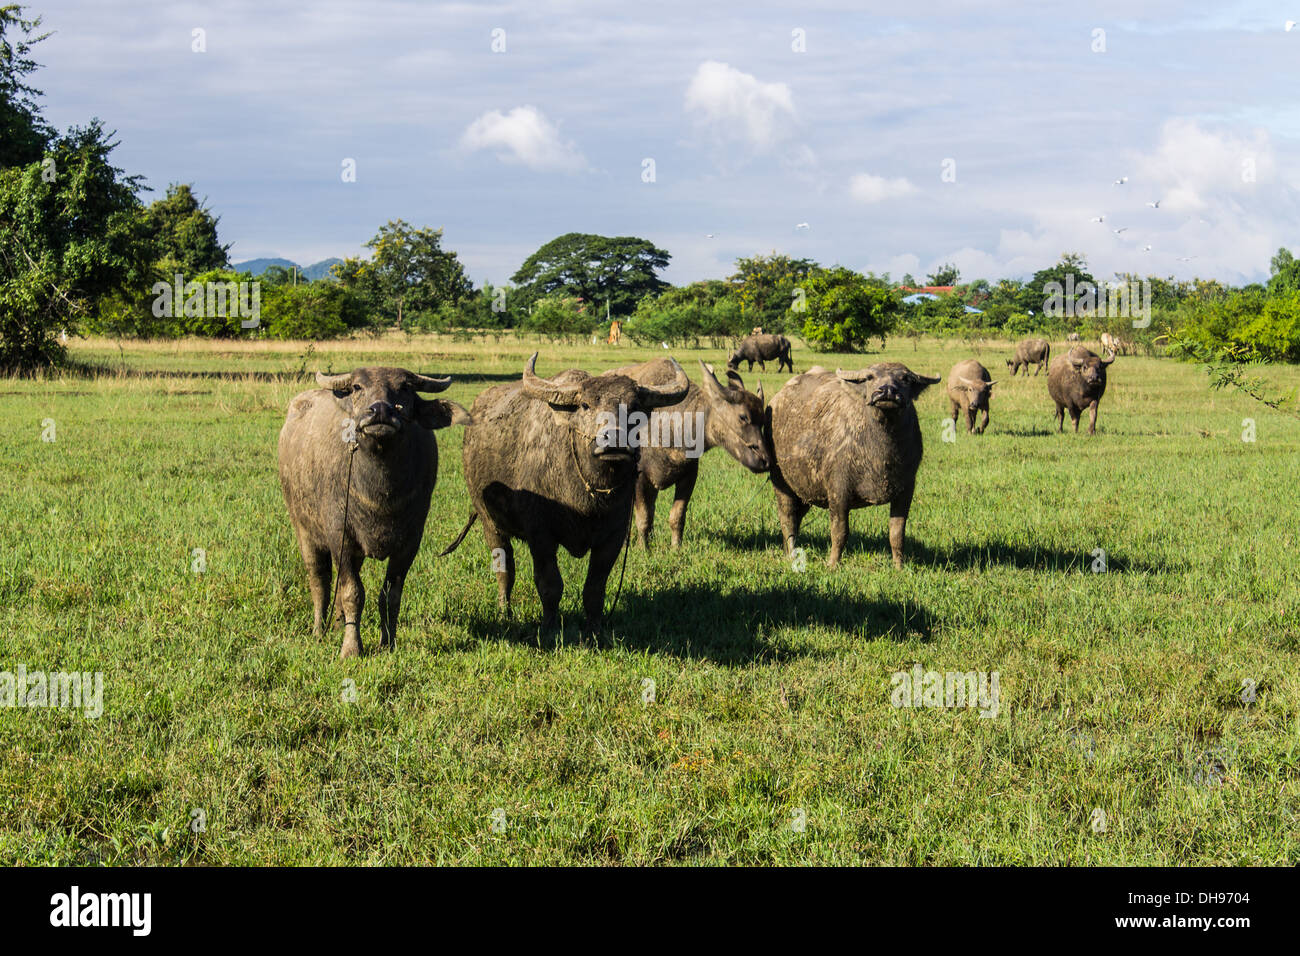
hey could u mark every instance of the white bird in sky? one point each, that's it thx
(1119, 230)
(802, 225)
(1186, 258)
(1098, 219)
(708, 235)
(1146, 248)
(1290, 25)
(1155, 204)
(1121, 181)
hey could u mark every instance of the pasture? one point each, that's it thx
(1162, 693)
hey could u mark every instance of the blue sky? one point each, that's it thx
(750, 137)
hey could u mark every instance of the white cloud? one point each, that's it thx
(1194, 168)
(525, 136)
(865, 187)
(739, 107)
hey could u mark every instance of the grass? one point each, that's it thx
(772, 687)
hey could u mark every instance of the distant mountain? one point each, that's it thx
(317, 270)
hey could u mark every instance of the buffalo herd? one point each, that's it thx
(569, 461)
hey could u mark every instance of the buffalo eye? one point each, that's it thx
(340, 393)
(586, 407)
(356, 388)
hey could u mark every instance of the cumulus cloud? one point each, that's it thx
(1194, 168)
(524, 136)
(865, 187)
(738, 107)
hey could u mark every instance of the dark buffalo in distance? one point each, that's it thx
(1030, 352)
(1077, 380)
(969, 390)
(844, 440)
(732, 418)
(376, 418)
(761, 349)
(550, 462)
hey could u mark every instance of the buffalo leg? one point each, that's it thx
(503, 563)
(318, 579)
(898, 509)
(839, 509)
(603, 557)
(1060, 418)
(352, 599)
(970, 420)
(984, 423)
(791, 510)
(681, 499)
(1092, 419)
(390, 598)
(956, 410)
(646, 496)
(550, 586)
(1074, 417)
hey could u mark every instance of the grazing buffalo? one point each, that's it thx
(1030, 352)
(550, 462)
(762, 348)
(1077, 381)
(711, 415)
(969, 390)
(844, 440)
(362, 445)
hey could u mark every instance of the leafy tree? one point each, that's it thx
(845, 309)
(946, 274)
(184, 233)
(1071, 274)
(409, 271)
(71, 233)
(596, 269)
(766, 289)
(1284, 270)
(24, 135)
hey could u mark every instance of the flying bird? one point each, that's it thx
(802, 225)
(1098, 219)
(1155, 204)
(1186, 258)
(708, 235)
(1290, 25)
(1121, 181)
(1146, 248)
(1119, 230)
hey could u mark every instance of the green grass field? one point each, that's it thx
(229, 735)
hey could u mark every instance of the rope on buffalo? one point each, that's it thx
(627, 544)
(343, 533)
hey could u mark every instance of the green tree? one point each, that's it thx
(765, 286)
(845, 309)
(24, 135)
(946, 274)
(1058, 288)
(596, 269)
(408, 271)
(1284, 270)
(184, 233)
(72, 232)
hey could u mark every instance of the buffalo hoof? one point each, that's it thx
(350, 648)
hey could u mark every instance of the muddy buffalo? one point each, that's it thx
(1077, 381)
(1030, 352)
(710, 415)
(969, 390)
(362, 445)
(552, 463)
(760, 349)
(844, 440)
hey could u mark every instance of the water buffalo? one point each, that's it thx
(969, 390)
(731, 417)
(1077, 381)
(760, 348)
(844, 440)
(1074, 337)
(370, 426)
(550, 462)
(1030, 352)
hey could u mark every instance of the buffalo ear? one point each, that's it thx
(921, 382)
(759, 392)
(734, 379)
(439, 413)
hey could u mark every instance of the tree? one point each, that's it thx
(946, 274)
(1059, 286)
(184, 233)
(596, 269)
(409, 270)
(1285, 272)
(845, 309)
(72, 232)
(766, 288)
(24, 135)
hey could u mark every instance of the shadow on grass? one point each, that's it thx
(980, 555)
(731, 628)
